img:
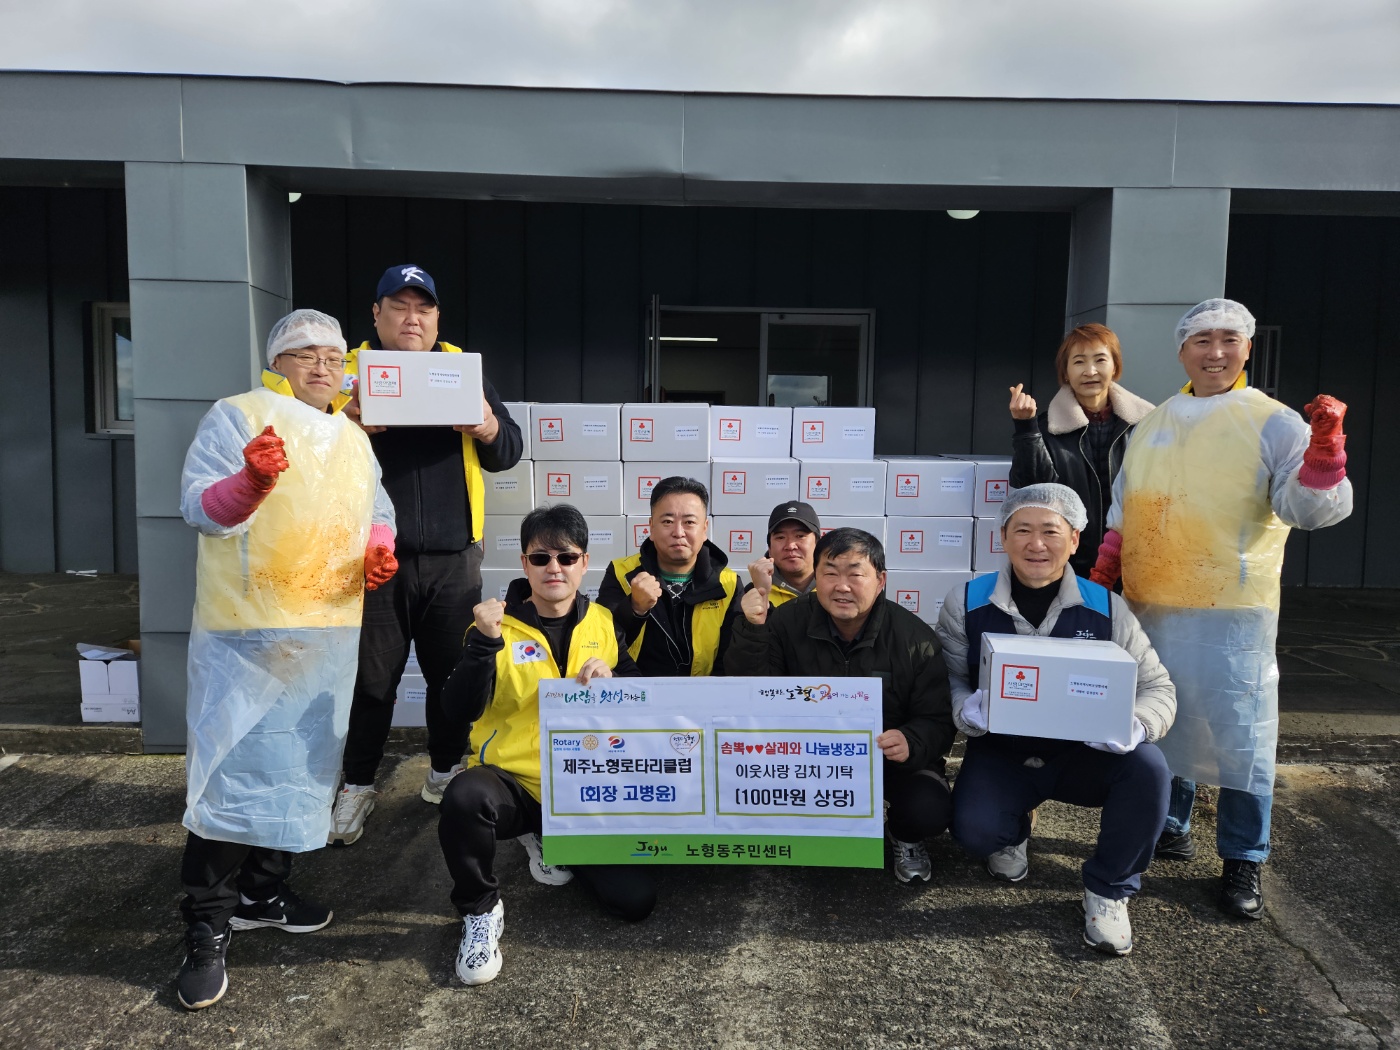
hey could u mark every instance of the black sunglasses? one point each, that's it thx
(540, 559)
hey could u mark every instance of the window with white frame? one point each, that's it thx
(113, 397)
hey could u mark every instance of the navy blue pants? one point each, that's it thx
(1004, 778)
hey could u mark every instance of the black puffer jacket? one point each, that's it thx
(1055, 447)
(896, 647)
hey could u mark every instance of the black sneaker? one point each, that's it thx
(286, 912)
(203, 979)
(1240, 891)
(1175, 847)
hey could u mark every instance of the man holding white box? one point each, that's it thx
(434, 475)
(1004, 777)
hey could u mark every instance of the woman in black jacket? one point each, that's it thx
(1079, 440)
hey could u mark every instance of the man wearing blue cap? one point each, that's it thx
(434, 477)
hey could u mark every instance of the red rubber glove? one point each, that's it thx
(1109, 565)
(1325, 458)
(233, 500)
(380, 566)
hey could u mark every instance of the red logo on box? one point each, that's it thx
(736, 482)
(819, 488)
(640, 429)
(740, 541)
(812, 431)
(908, 599)
(645, 485)
(906, 485)
(911, 541)
(640, 533)
(559, 484)
(551, 430)
(995, 491)
(730, 429)
(1020, 682)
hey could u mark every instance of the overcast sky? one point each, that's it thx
(1285, 50)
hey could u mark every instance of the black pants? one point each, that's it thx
(428, 602)
(214, 873)
(921, 804)
(485, 805)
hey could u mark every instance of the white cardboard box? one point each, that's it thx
(412, 667)
(593, 486)
(112, 709)
(922, 591)
(929, 543)
(520, 412)
(833, 433)
(419, 390)
(411, 701)
(1060, 688)
(607, 539)
(873, 525)
(495, 581)
(593, 578)
(640, 477)
(753, 486)
(500, 542)
(575, 432)
(670, 432)
(743, 538)
(989, 555)
(991, 483)
(844, 487)
(638, 529)
(511, 491)
(110, 683)
(925, 487)
(750, 432)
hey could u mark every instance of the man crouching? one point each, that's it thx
(544, 629)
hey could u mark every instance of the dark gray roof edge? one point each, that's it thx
(690, 93)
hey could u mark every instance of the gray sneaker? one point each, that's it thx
(353, 803)
(911, 860)
(549, 874)
(1009, 864)
(435, 784)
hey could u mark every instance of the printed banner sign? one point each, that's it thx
(774, 771)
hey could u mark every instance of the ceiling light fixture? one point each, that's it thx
(961, 213)
(690, 339)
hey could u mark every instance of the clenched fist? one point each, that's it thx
(761, 572)
(265, 457)
(488, 616)
(1324, 414)
(1022, 404)
(380, 566)
(646, 592)
(755, 606)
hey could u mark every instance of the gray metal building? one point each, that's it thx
(561, 224)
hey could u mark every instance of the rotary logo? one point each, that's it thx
(590, 743)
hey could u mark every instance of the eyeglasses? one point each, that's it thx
(540, 559)
(334, 362)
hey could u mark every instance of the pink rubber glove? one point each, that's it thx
(233, 500)
(380, 563)
(1109, 565)
(1325, 458)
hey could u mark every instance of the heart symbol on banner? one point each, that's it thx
(684, 743)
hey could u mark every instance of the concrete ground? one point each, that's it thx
(798, 957)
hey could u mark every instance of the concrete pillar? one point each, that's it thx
(1139, 259)
(209, 251)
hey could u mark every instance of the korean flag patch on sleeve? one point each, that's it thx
(528, 652)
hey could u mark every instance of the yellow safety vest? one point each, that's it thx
(780, 595)
(706, 619)
(476, 484)
(300, 563)
(507, 735)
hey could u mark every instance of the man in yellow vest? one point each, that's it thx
(676, 599)
(294, 526)
(434, 477)
(544, 629)
(787, 570)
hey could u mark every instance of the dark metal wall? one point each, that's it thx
(1333, 284)
(554, 295)
(67, 498)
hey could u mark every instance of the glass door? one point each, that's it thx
(815, 359)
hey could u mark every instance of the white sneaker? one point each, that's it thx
(1009, 864)
(479, 955)
(353, 803)
(1106, 925)
(435, 783)
(911, 860)
(549, 874)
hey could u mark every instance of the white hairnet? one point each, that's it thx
(1061, 499)
(1215, 313)
(304, 328)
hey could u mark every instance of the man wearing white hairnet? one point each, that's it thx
(1004, 777)
(294, 526)
(1211, 483)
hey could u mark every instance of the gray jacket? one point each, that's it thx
(1155, 706)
